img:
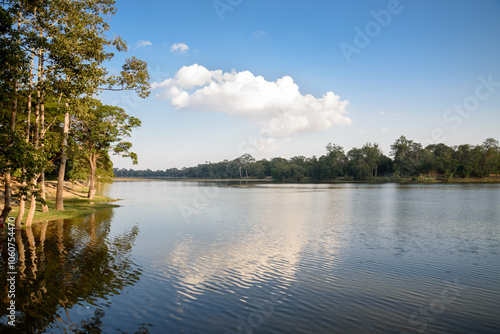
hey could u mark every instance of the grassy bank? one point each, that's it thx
(76, 204)
(73, 207)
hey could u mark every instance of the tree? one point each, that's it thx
(13, 64)
(358, 166)
(314, 168)
(62, 45)
(427, 161)
(334, 161)
(79, 50)
(492, 156)
(244, 161)
(372, 155)
(444, 162)
(463, 155)
(99, 130)
(53, 51)
(82, 51)
(385, 165)
(285, 171)
(259, 169)
(406, 156)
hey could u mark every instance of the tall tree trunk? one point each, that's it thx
(8, 197)
(22, 200)
(62, 165)
(93, 167)
(7, 178)
(22, 206)
(22, 203)
(36, 136)
(45, 208)
(31, 212)
(8, 188)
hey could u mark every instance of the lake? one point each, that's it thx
(201, 257)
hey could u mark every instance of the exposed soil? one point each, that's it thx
(70, 190)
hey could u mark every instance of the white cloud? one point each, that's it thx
(142, 43)
(382, 113)
(384, 130)
(277, 106)
(180, 48)
(259, 34)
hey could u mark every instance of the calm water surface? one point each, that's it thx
(192, 257)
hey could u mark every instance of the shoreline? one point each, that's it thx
(76, 203)
(126, 179)
(379, 180)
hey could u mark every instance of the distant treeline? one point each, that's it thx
(409, 159)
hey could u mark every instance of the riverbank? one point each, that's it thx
(380, 179)
(126, 179)
(434, 179)
(76, 203)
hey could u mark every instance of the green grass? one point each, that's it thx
(73, 207)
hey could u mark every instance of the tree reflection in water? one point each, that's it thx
(94, 325)
(64, 263)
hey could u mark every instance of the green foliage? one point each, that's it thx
(363, 163)
(406, 156)
(103, 128)
(80, 168)
(52, 62)
(284, 170)
(411, 163)
(97, 132)
(134, 76)
(358, 166)
(334, 161)
(15, 153)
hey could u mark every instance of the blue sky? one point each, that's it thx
(429, 70)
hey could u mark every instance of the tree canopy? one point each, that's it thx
(409, 160)
(52, 67)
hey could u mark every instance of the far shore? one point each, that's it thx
(381, 179)
(122, 179)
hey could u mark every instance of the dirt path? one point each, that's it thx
(70, 190)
